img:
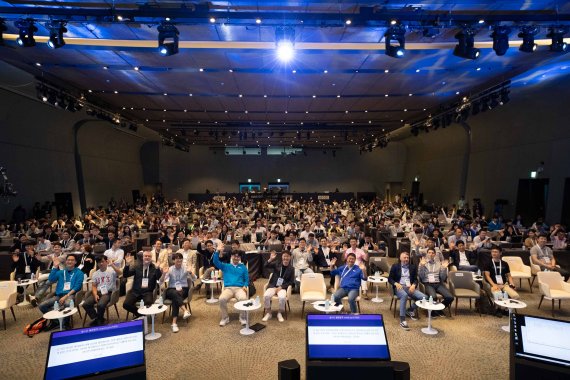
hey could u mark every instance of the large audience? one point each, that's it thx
(189, 244)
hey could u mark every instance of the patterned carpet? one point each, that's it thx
(464, 348)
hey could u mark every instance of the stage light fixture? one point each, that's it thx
(167, 39)
(557, 35)
(26, 32)
(393, 35)
(285, 43)
(500, 37)
(465, 47)
(504, 96)
(527, 34)
(56, 31)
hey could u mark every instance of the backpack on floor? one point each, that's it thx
(36, 327)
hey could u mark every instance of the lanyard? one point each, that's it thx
(83, 259)
(343, 274)
(432, 269)
(500, 268)
(281, 272)
(26, 258)
(147, 270)
(64, 277)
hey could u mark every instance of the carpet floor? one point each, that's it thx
(468, 346)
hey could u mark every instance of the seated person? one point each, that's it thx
(25, 265)
(433, 274)
(559, 240)
(530, 241)
(283, 276)
(323, 256)
(482, 241)
(146, 276)
(351, 277)
(367, 244)
(227, 258)
(312, 242)
(86, 261)
(178, 289)
(404, 279)
(115, 253)
(431, 244)
(273, 240)
(498, 277)
(236, 281)
(43, 285)
(542, 255)
(68, 282)
(206, 250)
(104, 283)
(302, 256)
(189, 257)
(361, 259)
(462, 259)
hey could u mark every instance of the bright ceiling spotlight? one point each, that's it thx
(395, 34)
(500, 37)
(56, 31)
(26, 34)
(285, 43)
(465, 47)
(527, 34)
(557, 35)
(167, 39)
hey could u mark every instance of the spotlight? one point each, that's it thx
(557, 35)
(56, 30)
(395, 34)
(501, 39)
(26, 34)
(527, 34)
(285, 43)
(465, 45)
(167, 39)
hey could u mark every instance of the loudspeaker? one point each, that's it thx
(289, 370)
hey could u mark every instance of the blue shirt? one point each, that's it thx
(349, 277)
(74, 276)
(234, 275)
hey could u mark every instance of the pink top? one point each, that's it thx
(360, 255)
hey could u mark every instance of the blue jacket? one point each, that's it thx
(233, 275)
(349, 278)
(75, 276)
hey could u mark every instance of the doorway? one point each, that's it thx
(532, 196)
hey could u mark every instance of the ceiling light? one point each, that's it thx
(26, 33)
(527, 34)
(285, 43)
(167, 39)
(557, 36)
(136, 68)
(258, 21)
(465, 45)
(395, 34)
(500, 37)
(348, 22)
(212, 20)
(56, 30)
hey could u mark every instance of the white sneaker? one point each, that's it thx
(242, 320)
(175, 328)
(280, 317)
(225, 321)
(266, 317)
(187, 315)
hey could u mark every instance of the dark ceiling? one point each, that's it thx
(226, 78)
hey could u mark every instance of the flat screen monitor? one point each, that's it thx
(346, 337)
(95, 350)
(541, 339)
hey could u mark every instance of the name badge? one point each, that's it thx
(407, 281)
(547, 260)
(80, 267)
(178, 286)
(431, 277)
(499, 279)
(67, 286)
(28, 269)
(144, 284)
(279, 281)
(103, 289)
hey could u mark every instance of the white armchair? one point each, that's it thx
(313, 288)
(552, 287)
(519, 270)
(8, 295)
